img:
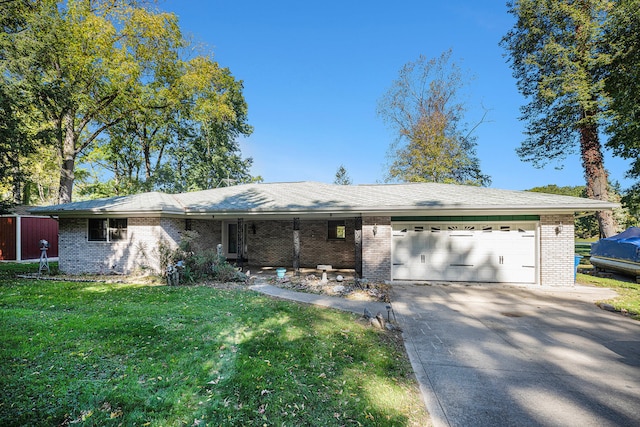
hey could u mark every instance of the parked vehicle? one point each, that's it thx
(619, 253)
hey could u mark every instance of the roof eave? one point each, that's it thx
(335, 211)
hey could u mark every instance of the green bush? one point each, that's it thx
(225, 272)
(198, 264)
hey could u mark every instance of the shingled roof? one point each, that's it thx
(314, 198)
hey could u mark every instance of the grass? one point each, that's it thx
(628, 292)
(10, 269)
(122, 354)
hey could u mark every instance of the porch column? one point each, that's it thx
(358, 246)
(296, 244)
(240, 243)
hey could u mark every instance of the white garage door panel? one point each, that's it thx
(497, 252)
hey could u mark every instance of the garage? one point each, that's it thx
(465, 251)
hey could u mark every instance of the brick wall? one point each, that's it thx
(376, 249)
(272, 244)
(208, 234)
(77, 255)
(557, 250)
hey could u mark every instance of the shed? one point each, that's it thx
(20, 234)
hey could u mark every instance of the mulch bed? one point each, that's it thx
(347, 288)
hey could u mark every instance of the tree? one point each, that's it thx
(557, 54)
(586, 225)
(108, 77)
(631, 200)
(185, 140)
(622, 82)
(433, 145)
(342, 176)
(17, 141)
(83, 62)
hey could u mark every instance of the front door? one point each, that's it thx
(231, 238)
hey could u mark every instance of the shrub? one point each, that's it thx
(198, 265)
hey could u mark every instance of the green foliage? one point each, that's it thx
(117, 354)
(199, 263)
(6, 206)
(108, 87)
(185, 137)
(586, 226)
(623, 82)
(557, 52)
(631, 200)
(433, 144)
(17, 138)
(342, 176)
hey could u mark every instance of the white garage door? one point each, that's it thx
(464, 252)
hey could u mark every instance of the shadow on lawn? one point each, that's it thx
(112, 354)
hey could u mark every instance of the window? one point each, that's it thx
(232, 238)
(107, 230)
(337, 230)
(117, 229)
(98, 230)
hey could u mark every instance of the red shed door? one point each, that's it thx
(35, 229)
(7, 239)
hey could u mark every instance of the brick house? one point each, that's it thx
(416, 231)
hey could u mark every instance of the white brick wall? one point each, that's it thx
(557, 250)
(78, 255)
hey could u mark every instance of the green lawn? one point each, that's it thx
(628, 291)
(117, 354)
(10, 269)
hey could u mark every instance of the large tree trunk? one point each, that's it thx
(68, 155)
(596, 176)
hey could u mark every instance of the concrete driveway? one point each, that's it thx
(497, 355)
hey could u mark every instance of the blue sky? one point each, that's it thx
(314, 71)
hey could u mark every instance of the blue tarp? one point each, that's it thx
(624, 246)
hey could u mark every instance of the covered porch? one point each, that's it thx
(261, 244)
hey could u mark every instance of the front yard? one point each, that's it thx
(126, 354)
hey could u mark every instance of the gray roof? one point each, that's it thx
(314, 198)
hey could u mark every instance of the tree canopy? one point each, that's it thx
(557, 54)
(423, 107)
(623, 86)
(110, 82)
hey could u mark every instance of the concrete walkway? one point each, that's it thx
(496, 355)
(322, 300)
